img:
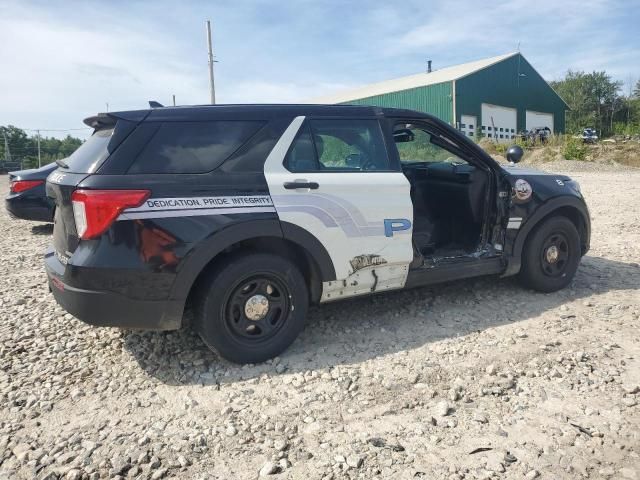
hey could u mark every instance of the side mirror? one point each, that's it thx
(514, 154)
(403, 135)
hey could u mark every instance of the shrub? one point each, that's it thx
(501, 148)
(574, 148)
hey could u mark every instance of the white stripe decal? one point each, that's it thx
(154, 204)
(514, 223)
(194, 212)
(192, 206)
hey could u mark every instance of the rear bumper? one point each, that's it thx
(28, 209)
(108, 309)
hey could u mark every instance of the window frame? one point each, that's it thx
(430, 130)
(306, 126)
(460, 149)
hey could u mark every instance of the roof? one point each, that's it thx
(244, 111)
(413, 81)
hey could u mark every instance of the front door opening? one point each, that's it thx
(449, 194)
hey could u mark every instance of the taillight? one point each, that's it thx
(18, 186)
(95, 210)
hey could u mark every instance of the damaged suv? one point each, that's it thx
(249, 214)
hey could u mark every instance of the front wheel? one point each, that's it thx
(551, 255)
(251, 307)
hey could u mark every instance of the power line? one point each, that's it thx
(55, 129)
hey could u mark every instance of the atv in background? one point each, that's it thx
(536, 135)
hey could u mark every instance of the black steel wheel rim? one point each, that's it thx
(555, 255)
(257, 328)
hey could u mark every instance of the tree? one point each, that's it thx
(636, 90)
(24, 148)
(593, 99)
(605, 94)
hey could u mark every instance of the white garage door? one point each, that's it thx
(499, 123)
(468, 125)
(539, 119)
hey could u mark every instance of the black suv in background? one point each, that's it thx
(248, 214)
(27, 198)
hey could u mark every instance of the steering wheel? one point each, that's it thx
(366, 162)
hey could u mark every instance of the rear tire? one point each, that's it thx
(551, 255)
(251, 307)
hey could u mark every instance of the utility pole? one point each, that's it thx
(212, 87)
(39, 158)
(7, 152)
(629, 100)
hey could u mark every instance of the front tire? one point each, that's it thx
(251, 307)
(551, 255)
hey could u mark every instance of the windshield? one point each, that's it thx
(90, 155)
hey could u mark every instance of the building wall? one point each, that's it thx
(433, 99)
(502, 85)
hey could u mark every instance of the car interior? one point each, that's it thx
(448, 193)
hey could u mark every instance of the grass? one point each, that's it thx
(566, 147)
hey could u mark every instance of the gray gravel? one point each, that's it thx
(473, 380)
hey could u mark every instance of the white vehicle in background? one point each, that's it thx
(589, 135)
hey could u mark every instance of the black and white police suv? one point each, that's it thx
(249, 214)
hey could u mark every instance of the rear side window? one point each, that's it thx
(193, 147)
(90, 155)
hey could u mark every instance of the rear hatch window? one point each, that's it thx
(91, 154)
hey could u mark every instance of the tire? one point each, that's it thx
(251, 307)
(551, 255)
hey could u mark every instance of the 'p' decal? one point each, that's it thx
(395, 225)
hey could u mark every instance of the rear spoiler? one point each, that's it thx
(103, 120)
(100, 121)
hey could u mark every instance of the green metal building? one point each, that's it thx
(495, 97)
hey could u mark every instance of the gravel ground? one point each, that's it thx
(475, 379)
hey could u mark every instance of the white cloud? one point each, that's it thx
(64, 61)
(61, 72)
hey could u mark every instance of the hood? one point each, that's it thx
(522, 171)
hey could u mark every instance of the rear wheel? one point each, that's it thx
(551, 255)
(251, 307)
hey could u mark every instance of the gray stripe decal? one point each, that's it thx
(332, 211)
(317, 212)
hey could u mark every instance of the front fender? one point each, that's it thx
(562, 204)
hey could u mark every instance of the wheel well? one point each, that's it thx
(276, 246)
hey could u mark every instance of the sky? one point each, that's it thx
(63, 61)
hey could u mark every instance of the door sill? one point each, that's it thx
(456, 268)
